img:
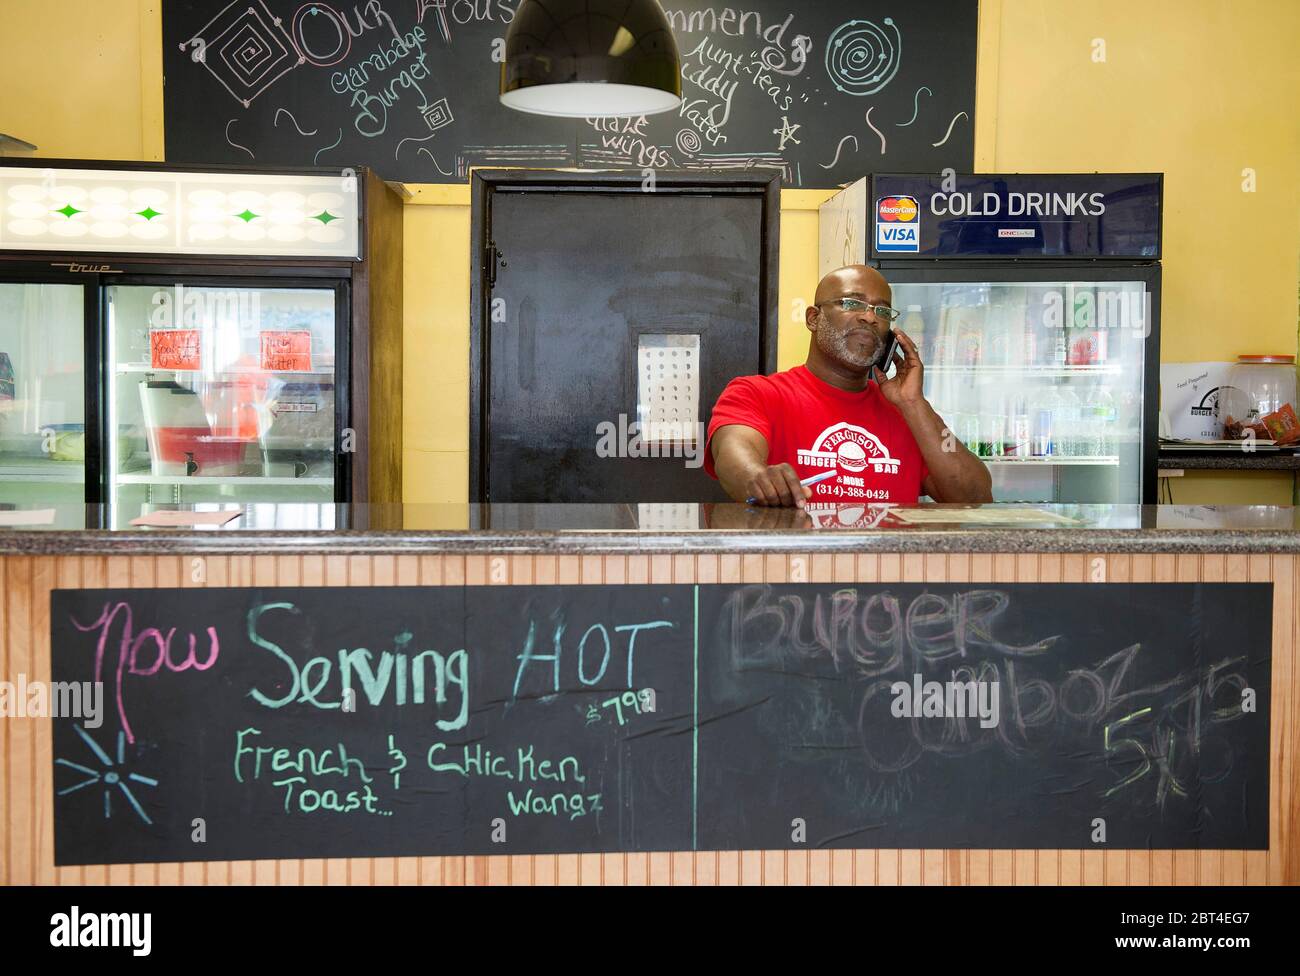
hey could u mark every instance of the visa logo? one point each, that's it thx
(893, 237)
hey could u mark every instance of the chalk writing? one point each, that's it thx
(396, 669)
(129, 648)
(364, 69)
(601, 643)
(660, 717)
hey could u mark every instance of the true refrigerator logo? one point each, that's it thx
(898, 224)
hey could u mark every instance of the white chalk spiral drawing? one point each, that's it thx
(916, 105)
(831, 164)
(688, 141)
(861, 58)
(875, 130)
(301, 130)
(949, 132)
(251, 49)
(235, 144)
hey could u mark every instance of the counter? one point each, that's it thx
(666, 529)
(1173, 569)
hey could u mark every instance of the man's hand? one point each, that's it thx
(907, 384)
(778, 485)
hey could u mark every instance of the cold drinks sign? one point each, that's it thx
(1086, 215)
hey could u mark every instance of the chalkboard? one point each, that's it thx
(1120, 705)
(824, 91)
(329, 722)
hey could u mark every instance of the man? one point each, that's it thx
(882, 440)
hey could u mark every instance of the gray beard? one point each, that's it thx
(836, 346)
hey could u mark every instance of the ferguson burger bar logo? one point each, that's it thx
(850, 449)
(851, 452)
(898, 224)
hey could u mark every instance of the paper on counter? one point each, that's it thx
(1189, 399)
(1001, 516)
(36, 516)
(173, 519)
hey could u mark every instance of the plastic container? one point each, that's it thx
(1258, 386)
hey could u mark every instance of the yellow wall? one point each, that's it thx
(1198, 89)
(82, 79)
(1229, 488)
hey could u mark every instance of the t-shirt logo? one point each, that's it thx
(834, 515)
(850, 450)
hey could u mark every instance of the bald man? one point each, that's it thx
(876, 438)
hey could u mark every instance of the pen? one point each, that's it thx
(805, 483)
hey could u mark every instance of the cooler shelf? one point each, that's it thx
(198, 479)
(1106, 369)
(1100, 460)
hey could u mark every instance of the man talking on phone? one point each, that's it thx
(872, 438)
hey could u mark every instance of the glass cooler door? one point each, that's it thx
(220, 395)
(42, 395)
(1042, 375)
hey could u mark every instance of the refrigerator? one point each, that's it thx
(173, 337)
(1035, 303)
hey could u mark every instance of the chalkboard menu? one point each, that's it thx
(825, 92)
(329, 722)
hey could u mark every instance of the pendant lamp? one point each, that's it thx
(578, 58)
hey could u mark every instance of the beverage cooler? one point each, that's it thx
(179, 337)
(1034, 301)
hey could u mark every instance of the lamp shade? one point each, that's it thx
(579, 58)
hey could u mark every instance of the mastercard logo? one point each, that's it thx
(902, 209)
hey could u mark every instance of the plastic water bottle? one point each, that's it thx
(1021, 434)
(914, 325)
(1066, 424)
(1101, 408)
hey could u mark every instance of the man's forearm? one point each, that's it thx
(957, 473)
(734, 464)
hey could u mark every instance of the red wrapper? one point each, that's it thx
(1282, 424)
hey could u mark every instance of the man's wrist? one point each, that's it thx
(914, 408)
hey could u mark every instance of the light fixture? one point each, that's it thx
(578, 58)
(149, 211)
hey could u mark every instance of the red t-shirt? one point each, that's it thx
(816, 427)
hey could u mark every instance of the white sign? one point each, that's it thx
(1189, 399)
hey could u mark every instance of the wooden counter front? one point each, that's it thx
(26, 812)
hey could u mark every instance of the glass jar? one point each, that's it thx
(1257, 386)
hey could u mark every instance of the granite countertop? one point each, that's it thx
(1230, 461)
(666, 528)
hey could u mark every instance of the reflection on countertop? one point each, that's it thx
(668, 528)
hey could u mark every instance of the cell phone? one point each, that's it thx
(888, 350)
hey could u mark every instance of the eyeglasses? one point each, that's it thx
(854, 305)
